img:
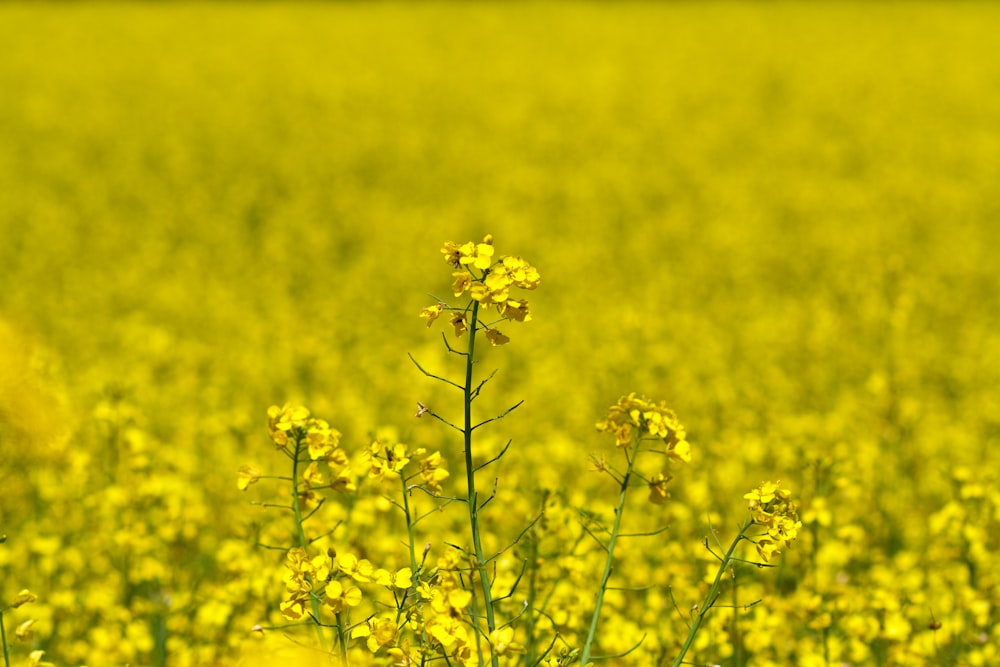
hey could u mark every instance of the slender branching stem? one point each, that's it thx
(300, 535)
(470, 476)
(3, 639)
(610, 548)
(411, 525)
(713, 593)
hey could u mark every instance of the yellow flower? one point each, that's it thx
(247, 475)
(321, 439)
(654, 420)
(462, 282)
(432, 312)
(360, 569)
(515, 310)
(280, 421)
(321, 566)
(35, 660)
(312, 477)
(658, 488)
(294, 607)
(343, 482)
(502, 641)
(447, 631)
(339, 597)
(451, 253)
(770, 507)
(433, 473)
(22, 598)
(23, 631)
(496, 338)
(404, 655)
(491, 287)
(385, 458)
(458, 321)
(401, 579)
(452, 602)
(479, 255)
(380, 631)
(680, 451)
(521, 273)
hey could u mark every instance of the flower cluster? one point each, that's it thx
(488, 282)
(385, 459)
(771, 508)
(288, 422)
(632, 416)
(293, 430)
(446, 620)
(331, 578)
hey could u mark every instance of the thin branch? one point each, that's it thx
(272, 505)
(739, 606)
(499, 416)
(431, 375)
(649, 534)
(517, 539)
(443, 420)
(314, 510)
(479, 387)
(632, 589)
(715, 534)
(448, 346)
(329, 532)
(513, 587)
(673, 601)
(709, 550)
(495, 458)
(587, 530)
(623, 653)
(493, 494)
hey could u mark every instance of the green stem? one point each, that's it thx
(303, 542)
(737, 639)
(609, 561)
(411, 531)
(529, 641)
(470, 476)
(3, 638)
(713, 593)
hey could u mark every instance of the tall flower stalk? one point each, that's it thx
(772, 511)
(486, 282)
(639, 425)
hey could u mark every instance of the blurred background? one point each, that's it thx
(781, 218)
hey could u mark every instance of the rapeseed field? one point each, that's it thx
(733, 265)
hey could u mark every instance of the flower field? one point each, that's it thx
(733, 264)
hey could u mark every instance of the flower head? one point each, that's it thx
(488, 281)
(639, 417)
(246, 476)
(22, 598)
(771, 508)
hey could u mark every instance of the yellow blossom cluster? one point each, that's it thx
(771, 508)
(488, 282)
(634, 416)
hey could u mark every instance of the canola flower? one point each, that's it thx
(771, 509)
(635, 422)
(488, 282)
(23, 631)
